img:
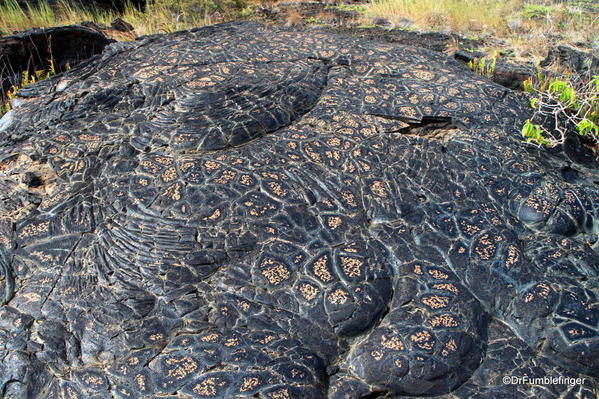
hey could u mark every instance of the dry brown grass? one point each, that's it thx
(294, 17)
(529, 27)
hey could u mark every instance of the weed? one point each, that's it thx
(484, 66)
(536, 11)
(356, 8)
(27, 79)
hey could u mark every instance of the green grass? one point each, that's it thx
(15, 18)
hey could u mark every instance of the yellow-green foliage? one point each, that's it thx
(483, 66)
(26, 80)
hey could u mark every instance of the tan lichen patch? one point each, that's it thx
(352, 267)
(377, 355)
(513, 255)
(392, 342)
(574, 332)
(150, 167)
(166, 161)
(43, 257)
(215, 215)
(208, 387)
(364, 165)
(321, 269)
(245, 306)
(140, 380)
(280, 394)
(487, 249)
(350, 198)
(66, 291)
(444, 320)
(267, 339)
(423, 339)
(33, 229)
(450, 347)
(277, 189)
(181, 367)
(338, 297)
(93, 380)
(211, 165)
(446, 287)
(436, 301)
(274, 272)
(156, 337)
(169, 175)
(424, 74)
(470, 229)
(334, 222)
(210, 337)
(173, 192)
(334, 141)
(72, 394)
(378, 188)
(308, 291)
(543, 290)
(529, 297)
(225, 177)
(246, 180)
(249, 383)
(438, 274)
(409, 112)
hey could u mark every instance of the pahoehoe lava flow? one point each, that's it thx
(248, 211)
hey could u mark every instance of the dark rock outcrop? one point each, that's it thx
(243, 211)
(583, 63)
(32, 50)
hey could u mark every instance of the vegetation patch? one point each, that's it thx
(484, 66)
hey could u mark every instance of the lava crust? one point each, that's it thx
(246, 211)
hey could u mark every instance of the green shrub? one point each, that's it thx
(567, 102)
